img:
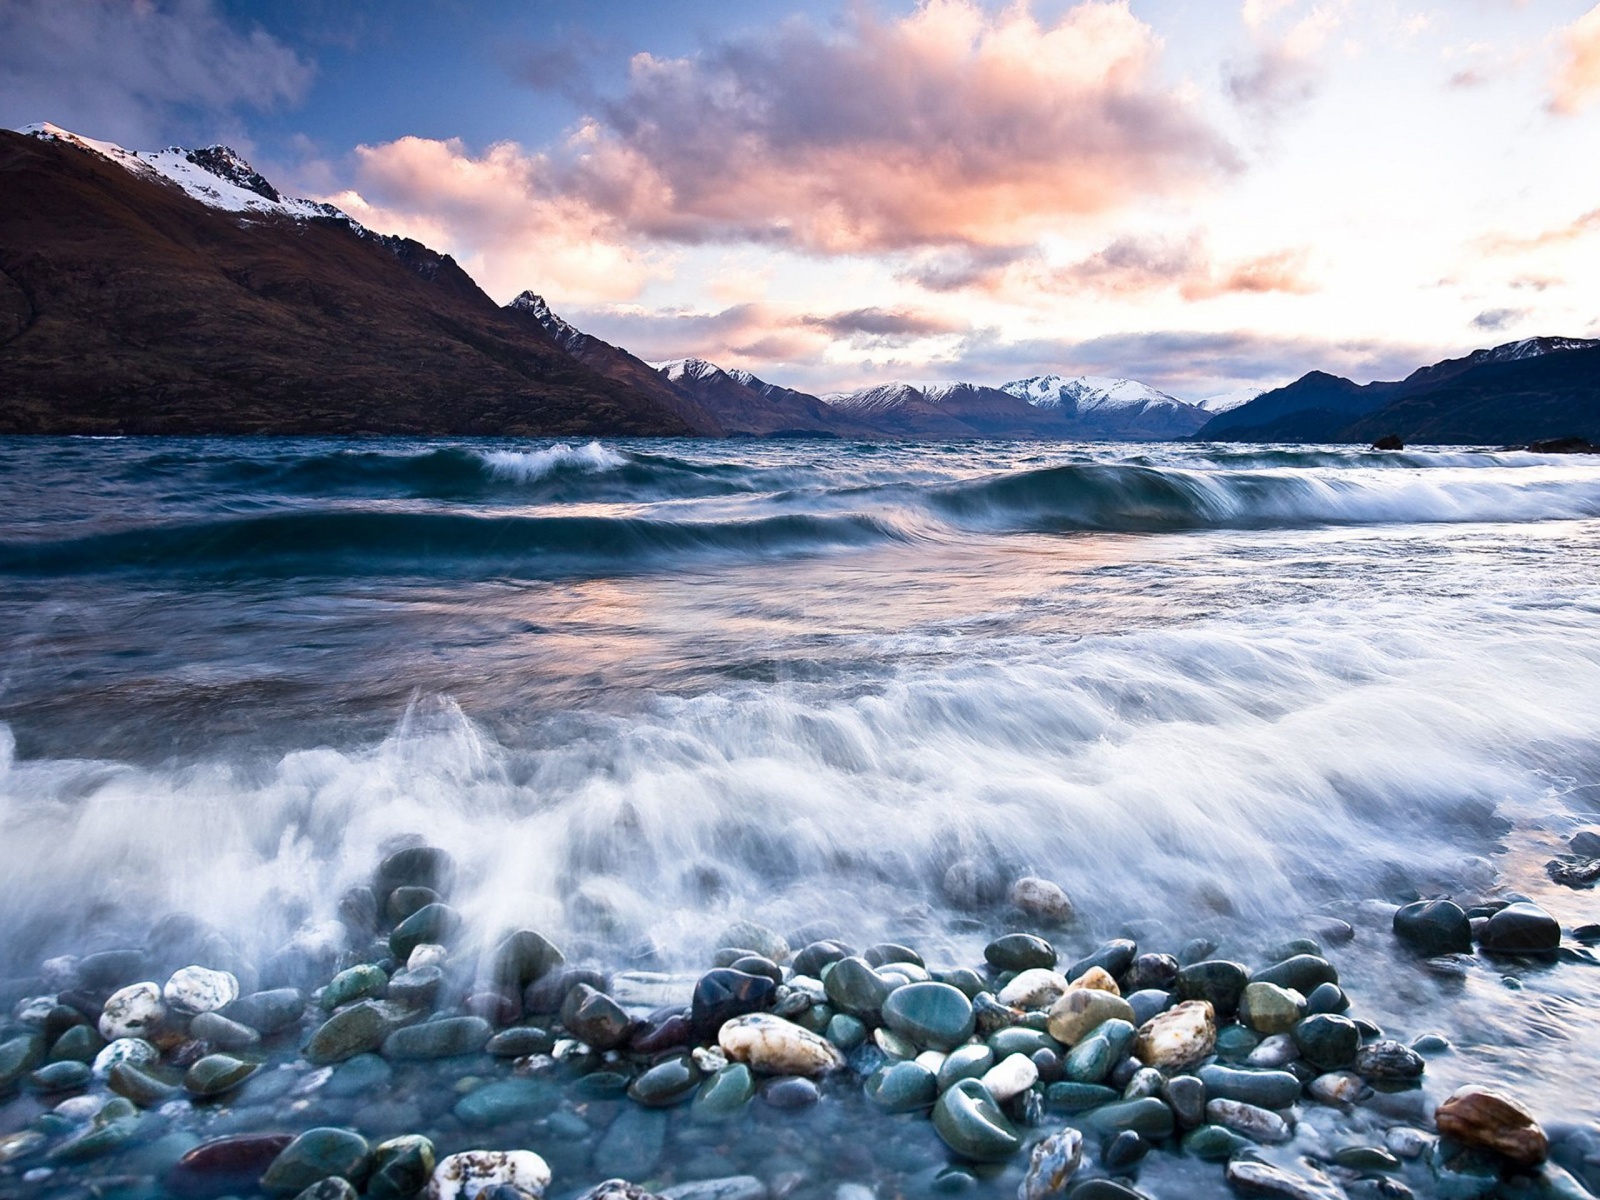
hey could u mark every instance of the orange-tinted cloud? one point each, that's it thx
(1577, 78)
(1506, 243)
(951, 126)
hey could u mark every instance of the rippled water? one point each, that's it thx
(641, 688)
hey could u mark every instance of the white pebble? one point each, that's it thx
(133, 1051)
(78, 1108)
(1011, 1077)
(1036, 987)
(463, 1176)
(132, 1012)
(426, 954)
(200, 989)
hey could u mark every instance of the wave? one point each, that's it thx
(560, 473)
(1139, 499)
(366, 541)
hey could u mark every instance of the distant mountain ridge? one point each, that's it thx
(1522, 391)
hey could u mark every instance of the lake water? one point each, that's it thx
(640, 690)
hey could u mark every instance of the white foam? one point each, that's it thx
(525, 466)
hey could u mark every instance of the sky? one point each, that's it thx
(1207, 195)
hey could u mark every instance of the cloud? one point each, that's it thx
(882, 326)
(1493, 320)
(503, 215)
(1284, 68)
(1195, 363)
(1561, 235)
(1577, 79)
(128, 69)
(948, 127)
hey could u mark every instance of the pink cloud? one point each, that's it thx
(950, 126)
(1577, 78)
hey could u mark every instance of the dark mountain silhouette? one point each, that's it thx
(1531, 390)
(130, 303)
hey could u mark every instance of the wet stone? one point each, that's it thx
(1148, 1117)
(330, 1189)
(358, 1029)
(133, 1011)
(80, 1043)
(1052, 1165)
(757, 939)
(633, 1145)
(1082, 1010)
(773, 1046)
(507, 1100)
(969, 1121)
(1326, 998)
(1265, 1089)
(1217, 981)
(666, 1084)
(1328, 1042)
(139, 1086)
(902, 1087)
(1178, 1038)
(416, 987)
(845, 1032)
(790, 1092)
(1213, 1143)
(223, 1165)
(1521, 929)
(811, 961)
(433, 923)
(1486, 1120)
(1151, 972)
(268, 1012)
(315, 1155)
(1267, 1008)
(356, 983)
(1186, 1096)
(1302, 973)
(855, 988)
(1071, 1097)
(1114, 958)
(1256, 1178)
(218, 1032)
(524, 957)
(723, 994)
(197, 989)
(1093, 1059)
(217, 1074)
(1434, 927)
(595, 1018)
(1252, 1121)
(932, 1015)
(1019, 952)
(446, 1038)
(66, 1076)
(415, 866)
(725, 1093)
(520, 1042)
(489, 1175)
(1124, 1151)
(1387, 1061)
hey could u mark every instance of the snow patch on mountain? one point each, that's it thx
(679, 369)
(1531, 348)
(1087, 393)
(217, 176)
(1228, 401)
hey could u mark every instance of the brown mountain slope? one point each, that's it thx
(126, 306)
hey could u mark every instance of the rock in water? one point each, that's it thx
(723, 994)
(1042, 899)
(315, 1155)
(971, 1123)
(1521, 929)
(933, 1015)
(1019, 952)
(1389, 1062)
(1477, 1117)
(473, 1172)
(1035, 988)
(594, 1018)
(1052, 1165)
(132, 1012)
(1080, 1011)
(401, 1167)
(1434, 927)
(200, 990)
(1180, 1037)
(1255, 1178)
(773, 1046)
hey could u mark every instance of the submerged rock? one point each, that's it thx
(1051, 1166)
(1019, 952)
(1478, 1117)
(933, 1015)
(200, 990)
(315, 1155)
(1042, 899)
(475, 1172)
(1434, 927)
(1256, 1178)
(1521, 928)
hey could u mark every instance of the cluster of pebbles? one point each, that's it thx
(1031, 1074)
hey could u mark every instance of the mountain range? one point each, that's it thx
(179, 291)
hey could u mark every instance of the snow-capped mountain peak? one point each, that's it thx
(1087, 393)
(217, 176)
(1532, 348)
(1228, 401)
(687, 368)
